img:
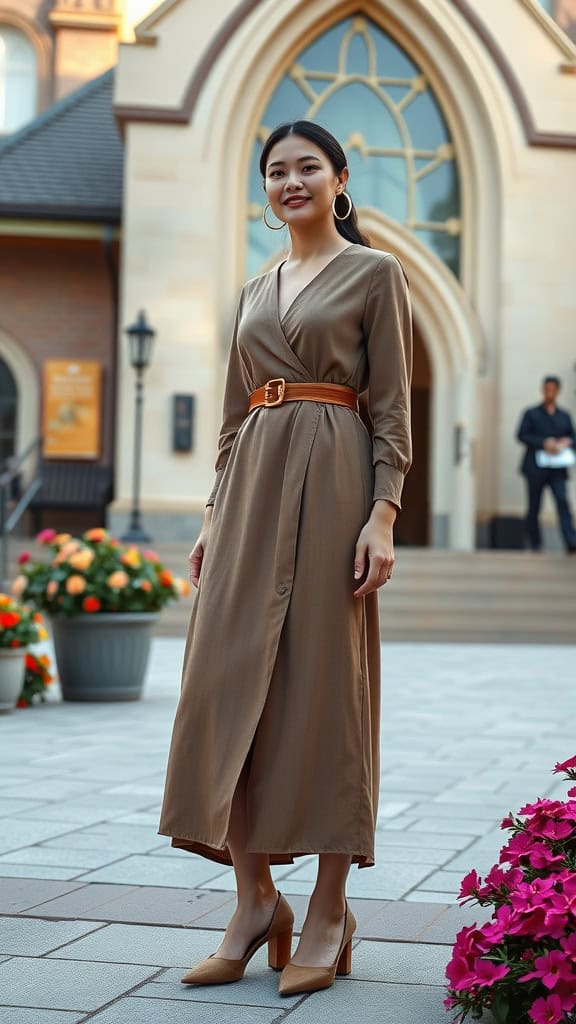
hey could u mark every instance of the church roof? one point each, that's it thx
(68, 162)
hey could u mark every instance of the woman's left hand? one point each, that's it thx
(375, 546)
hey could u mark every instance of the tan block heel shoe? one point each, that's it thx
(296, 978)
(218, 970)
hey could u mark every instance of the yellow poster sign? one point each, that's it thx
(71, 409)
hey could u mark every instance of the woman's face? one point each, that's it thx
(300, 181)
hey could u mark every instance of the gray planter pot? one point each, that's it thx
(12, 668)
(103, 657)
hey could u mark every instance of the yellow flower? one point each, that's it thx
(131, 558)
(117, 580)
(52, 588)
(75, 584)
(61, 538)
(19, 585)
(42, 633)
(82, 560)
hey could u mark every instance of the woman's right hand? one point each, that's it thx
(196, 556)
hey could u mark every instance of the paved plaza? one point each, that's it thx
(99, 916)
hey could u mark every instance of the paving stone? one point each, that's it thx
(157, 905)
(430, 840)
(171, 1011)
(259, 988)
(66, 985)
(148, 871)
(397, 961)
(56, 857)
(82, 900)
(350, 1000)
(399, 921)
(53, 788)
(34, 937)
(378, 882)
(146, 944)
(30, 871)
(12, 805)
(16, 896)
(21, 1015)
(17, 832)
(111, 836)
(87, 809)
(446, 926)
(423, 896)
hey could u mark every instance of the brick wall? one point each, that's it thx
(56, 301)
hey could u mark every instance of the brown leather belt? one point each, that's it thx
(277, 391)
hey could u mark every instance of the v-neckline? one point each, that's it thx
(281, 319)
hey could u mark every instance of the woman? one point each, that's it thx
(275, 748)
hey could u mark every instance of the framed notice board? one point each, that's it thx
(71, 427)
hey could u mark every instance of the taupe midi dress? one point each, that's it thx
(282, 663)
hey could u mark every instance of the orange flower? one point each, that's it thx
(146, 585)
(182, 586)
(70, 547)
(82, 560)
(4, 600)
(96, 534)
(117, 580)
(166, 578)
(61, 538)
(75, 584)
(91, 604)
(37, 617)
(52, 588)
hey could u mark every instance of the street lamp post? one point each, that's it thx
(140, 339)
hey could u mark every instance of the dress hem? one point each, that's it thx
(221, 855)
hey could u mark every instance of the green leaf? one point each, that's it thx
(500, 1008)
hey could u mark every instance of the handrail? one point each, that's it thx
(9, 521)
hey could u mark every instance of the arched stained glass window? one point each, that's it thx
(18, 79)
(364, 88)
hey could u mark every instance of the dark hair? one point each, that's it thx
(330, 146)
(551, 379)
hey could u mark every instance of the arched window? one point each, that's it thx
(564, 13)
(364, 88)
(18, 79)
(8, 403)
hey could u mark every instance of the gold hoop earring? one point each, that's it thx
(272, 226)
(346, 215)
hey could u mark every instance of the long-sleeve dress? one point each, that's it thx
(282, 663)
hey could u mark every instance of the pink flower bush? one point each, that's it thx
(521, 965)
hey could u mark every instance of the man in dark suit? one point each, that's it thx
(547, 428)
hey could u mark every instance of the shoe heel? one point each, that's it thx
(280, 950)
(345, 961)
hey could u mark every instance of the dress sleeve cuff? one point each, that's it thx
(388, 483)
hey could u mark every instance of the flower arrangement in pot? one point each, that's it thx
(521, 965)
(103, 600)
(37, 679)
(20, 626)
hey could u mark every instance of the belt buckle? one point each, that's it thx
(280, 384)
